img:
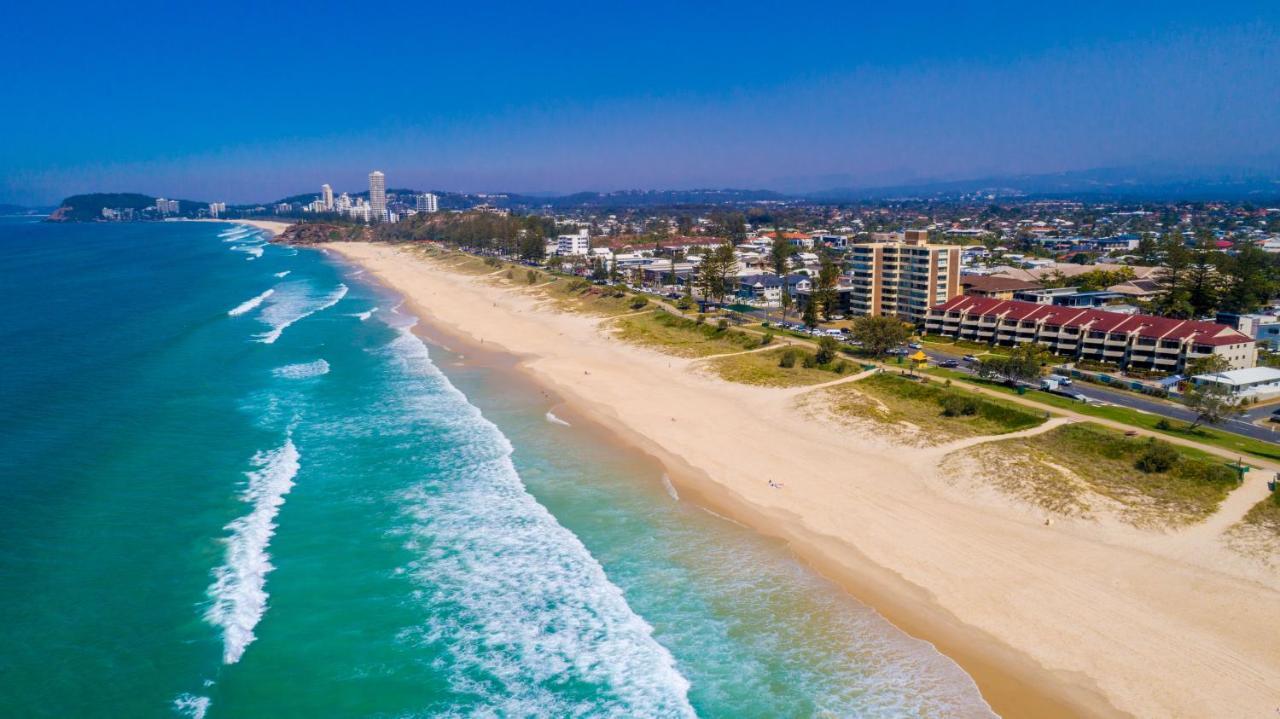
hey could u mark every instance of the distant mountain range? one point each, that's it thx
(1122, 183)
(1132, 184)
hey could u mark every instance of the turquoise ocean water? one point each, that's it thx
(235, 484)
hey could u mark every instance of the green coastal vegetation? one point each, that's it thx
(1205, 435)
(1067, 470)
(936, 412)
(1265, 516)
(682, 336)
(784, 367)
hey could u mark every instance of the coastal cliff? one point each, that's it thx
(314, 233)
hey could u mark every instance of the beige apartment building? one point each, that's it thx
(1137, 341)
(903, 279)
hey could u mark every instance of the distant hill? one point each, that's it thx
(645, 198)
(88, 208)
(1121, 183)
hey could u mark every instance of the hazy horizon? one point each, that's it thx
(248, 104)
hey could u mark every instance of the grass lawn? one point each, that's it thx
(681, 336)
(1207, 435)
(893, 400)
(764, 369)
(1062, 469)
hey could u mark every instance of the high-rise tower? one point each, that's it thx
(378, 195)
(326, 197)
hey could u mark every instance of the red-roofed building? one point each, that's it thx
(1139, 341)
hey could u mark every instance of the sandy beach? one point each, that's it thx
(1089, 618)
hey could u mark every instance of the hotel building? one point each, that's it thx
(428, 202)
(1137, 341)
(378, 196)
(902, 279)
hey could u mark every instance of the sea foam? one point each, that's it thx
(249, 304)
(190, 705)
(288, 307)
(239, 587)
(303, 370)
(526, 615)
(553, 419)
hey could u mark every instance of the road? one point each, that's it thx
(1242, 425)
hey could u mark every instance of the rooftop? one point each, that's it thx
(1209, 333)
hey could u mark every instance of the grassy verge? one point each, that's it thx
(1068, 468)
(1265, 515)
(1206, 435)
(682, 337)
(578, 295)
(765, 368)
(892, 400)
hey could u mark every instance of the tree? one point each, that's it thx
(1250, 280)
(1022, 364)
(824, 290)
(878, 335)
(1202, 276)
(780, 257)
(1148, 251)
(1209, 364)
(810, 317)
(1173, 298)
(827, 348)
(1212, 402)
(714, 272)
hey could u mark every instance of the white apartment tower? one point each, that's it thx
(428, 202)
(378, 195)
(326, 197)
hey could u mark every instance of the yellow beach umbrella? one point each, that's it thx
(919, 356)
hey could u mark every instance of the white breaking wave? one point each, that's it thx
(302, 370)
(553, 419)
(190, 705)
(671, 488)
(285, 309)
(249, 304)
(283, 274)
(254, 251)
(239, 587)
(364, 316)
(518, 604)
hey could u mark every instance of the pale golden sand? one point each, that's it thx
(1068, 619)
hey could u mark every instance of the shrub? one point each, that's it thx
(841, 367)
(530, 277)
(684, 303)
(722, 324)
(958, 405)
(639, 301)
(788, 359)
(766, 339)
(1157, 457)
(827, 347)
(809, 361)
(701, 318)
(1164, 425)
(492, 261)
(510, 274)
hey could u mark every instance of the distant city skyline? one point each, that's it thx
(663, 97)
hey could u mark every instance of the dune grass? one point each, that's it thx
(891, 400)
(1265, 515)
(682, 337)
(765, 368)
(1063, 466)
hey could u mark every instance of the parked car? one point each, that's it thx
(916, 346)
(949, 363)
(1275, 416)
(970, 358)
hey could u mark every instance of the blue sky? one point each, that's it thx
(245, 102)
